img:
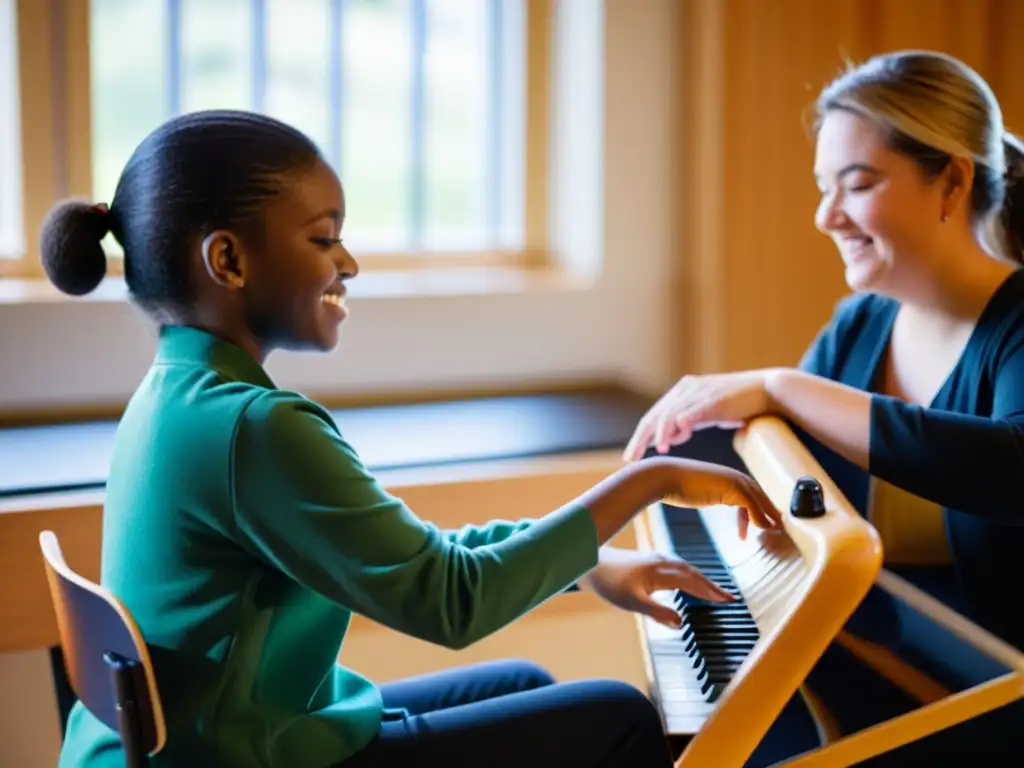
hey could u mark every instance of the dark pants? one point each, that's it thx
(512, 713)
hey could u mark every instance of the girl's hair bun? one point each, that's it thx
(72, 255)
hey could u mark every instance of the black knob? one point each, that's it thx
(808, 498)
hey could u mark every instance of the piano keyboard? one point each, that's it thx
(695, 663)
(714, 638)
(723, 676)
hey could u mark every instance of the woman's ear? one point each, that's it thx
(224, 260)
(957, 181)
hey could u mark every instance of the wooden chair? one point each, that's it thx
(107, 660)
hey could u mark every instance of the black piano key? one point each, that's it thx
(724, 660)
(730, 645)
(720, 639)
(739, 650)
(712, 614)
(709, 614)
(683, 600)
(737, 646)
(701, 623)
(711, 635)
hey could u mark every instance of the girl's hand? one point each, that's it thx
(699, 484)
(626, 579)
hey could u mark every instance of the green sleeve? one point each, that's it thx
(304, 502)
(473, 536)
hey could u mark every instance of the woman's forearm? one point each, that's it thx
(836, 415)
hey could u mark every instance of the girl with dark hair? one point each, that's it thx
(242, 530)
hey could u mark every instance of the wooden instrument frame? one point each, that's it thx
(765, 447)
(843, 555)
(938, 714)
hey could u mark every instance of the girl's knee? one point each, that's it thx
(629, 700)
(529, 674)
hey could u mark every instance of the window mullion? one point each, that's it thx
(172, 51)
(493, 179)
(539, 28)
(258, 26)
(417, 125)
(336, 82)
(76, 94)
(35, 65)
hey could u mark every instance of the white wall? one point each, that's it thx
(87, 352)
(94, 352)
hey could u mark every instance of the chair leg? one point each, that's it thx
(122, 672)
(62, 687)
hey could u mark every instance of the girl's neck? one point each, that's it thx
(235, 333)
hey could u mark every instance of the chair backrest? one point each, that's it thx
(92, 622)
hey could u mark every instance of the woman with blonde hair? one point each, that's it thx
(912, 396)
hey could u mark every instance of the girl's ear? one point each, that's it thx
(224, 259)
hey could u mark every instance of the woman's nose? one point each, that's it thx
(829, 215)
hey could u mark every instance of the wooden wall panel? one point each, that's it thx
(756, 279)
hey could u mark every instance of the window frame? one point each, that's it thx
(56, 138)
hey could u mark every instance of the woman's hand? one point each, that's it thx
(700, 401)
(626, 579)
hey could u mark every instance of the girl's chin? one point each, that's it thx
(335, 313)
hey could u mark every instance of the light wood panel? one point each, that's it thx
(757, 280)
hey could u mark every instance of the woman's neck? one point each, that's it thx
(954, 290)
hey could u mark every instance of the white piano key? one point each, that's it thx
(687, 724)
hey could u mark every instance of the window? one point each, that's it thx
(433, 112)
(414, 102)
(12, 236)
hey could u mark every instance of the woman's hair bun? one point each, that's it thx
(72, 255)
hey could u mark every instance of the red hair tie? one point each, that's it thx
(101, 208)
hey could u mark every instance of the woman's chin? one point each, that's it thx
(864, 276)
